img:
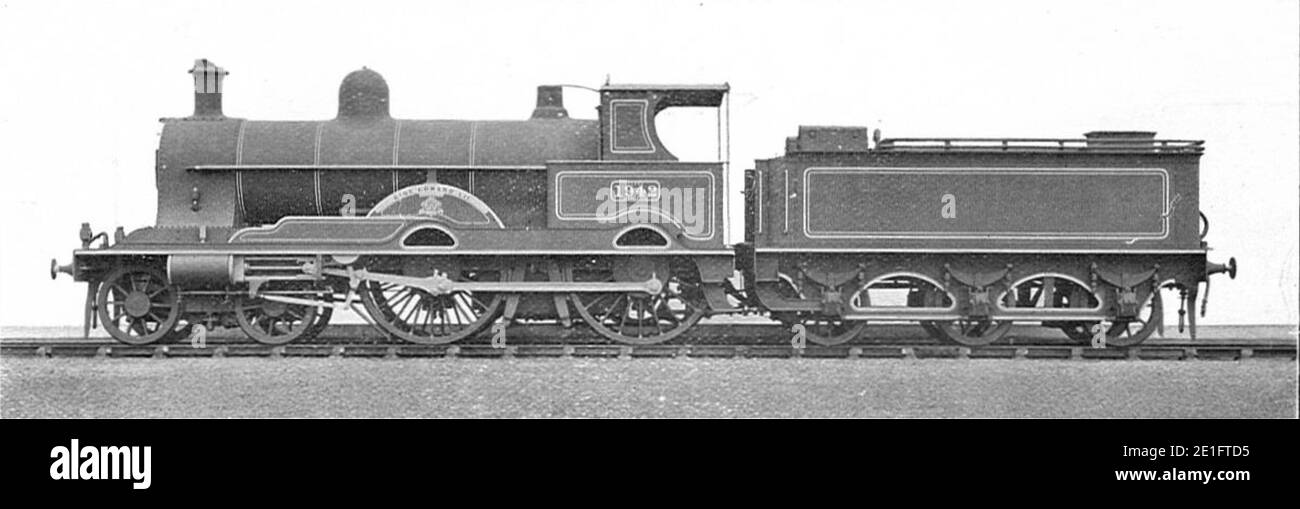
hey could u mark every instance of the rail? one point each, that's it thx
(1169, 352)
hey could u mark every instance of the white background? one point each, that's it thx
(82, 85)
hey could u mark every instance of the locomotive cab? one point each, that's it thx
(627, 117)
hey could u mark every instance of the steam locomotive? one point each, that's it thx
(434, 230)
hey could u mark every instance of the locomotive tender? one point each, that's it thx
(433, 230)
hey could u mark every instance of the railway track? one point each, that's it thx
(910, 349)
(1058, 352)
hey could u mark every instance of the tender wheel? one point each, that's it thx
(137, 305)
(973, 332)
(1129, 332)
(1056, 292)
(929, 297)
(1079, 332)
(273, 323)
(819, 329)
(1126, 333)
(1122, 333)
(639, 318)
(932, 329)
(1075, 296)
(418, 316)
(827, 331)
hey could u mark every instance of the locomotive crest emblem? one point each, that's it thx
(447, 203)
(431, 206)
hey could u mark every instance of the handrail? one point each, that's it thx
(1038, 145)
(342, 167)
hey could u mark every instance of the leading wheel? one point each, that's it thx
(137, 305)
(272, 322)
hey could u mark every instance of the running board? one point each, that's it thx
(440, 285)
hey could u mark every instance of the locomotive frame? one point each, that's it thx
(444, 227)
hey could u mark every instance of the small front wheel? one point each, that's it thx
(137, 305)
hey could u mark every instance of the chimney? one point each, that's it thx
(207, 89)
(550, 102)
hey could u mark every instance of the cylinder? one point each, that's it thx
(199, 271)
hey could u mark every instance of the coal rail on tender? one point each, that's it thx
(445, 234)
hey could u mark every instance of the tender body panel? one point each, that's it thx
(965, 203)
(881, 201)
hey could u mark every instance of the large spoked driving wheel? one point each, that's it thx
(137, 305)
(972, 332)
(640, 318)
(418, 316)
(274, 323)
